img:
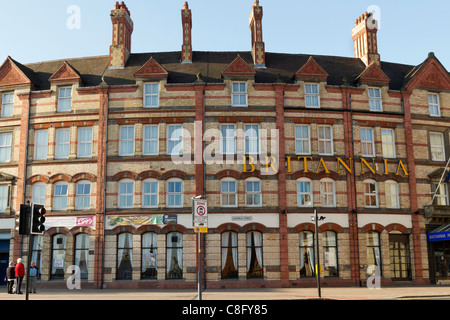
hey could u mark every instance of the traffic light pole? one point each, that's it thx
(28, 266)
(316, 218)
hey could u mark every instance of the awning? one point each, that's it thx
(440, 234)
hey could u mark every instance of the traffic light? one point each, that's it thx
(24, 219)
(37, 219)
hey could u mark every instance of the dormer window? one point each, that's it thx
(64, 99)
(151, 95)
(312, 96)
(239, 94)
(433, 105)
(375, 101)
(7, 104)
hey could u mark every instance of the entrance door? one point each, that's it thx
(400, 257)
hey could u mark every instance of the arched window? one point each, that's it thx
(83, 196)
(60, 196)
(306, 246)
(254, 255)
(124, 256)
(228, 192)
(36, 253)
(229, 255)
(253, 192)
(175, 193)
(391, 194)
(150, 193)
(58, 256)
(327, 193)
(82, 254)
(330, 254)
(304, 192)
(174, 255)
(149, 255)
(370, 194)
(38, 193)
(126, 193)
(373, 250)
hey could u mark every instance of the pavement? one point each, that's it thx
(265, 294)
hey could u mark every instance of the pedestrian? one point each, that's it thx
(10, 276)
(20, 273)
(34, 271)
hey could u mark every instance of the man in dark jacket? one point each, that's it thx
(20, 273)
(10, 276)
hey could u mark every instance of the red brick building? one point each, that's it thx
(116, 146)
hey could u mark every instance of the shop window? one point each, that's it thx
(254, 255)
(306, 246)
(58, 256)
(125, 256)
(229, 255)
(149, 256)
(174, 255)
(82, 254)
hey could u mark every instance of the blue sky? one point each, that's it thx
(34, 31)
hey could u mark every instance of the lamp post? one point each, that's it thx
(316, 219)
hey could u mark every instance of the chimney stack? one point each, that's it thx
(186, 49)
(364, 36)
(120, 50)
(255, 24)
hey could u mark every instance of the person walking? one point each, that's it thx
(20, 273)
(33, 277)
(10, 277)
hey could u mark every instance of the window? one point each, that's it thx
(149, 256)
(5, 147)
(7, 105)
(229, 246)
(228, 137)
(253, 193)
(325, 134)
(38, 196)
(151, 95)
(373, 250)
(151, 140)
(124, 256)
(304, 193)
(433, 105)
(239, 94)
(306, 246)
(388, 143)
(40, 145)
(441, 198)
(84, 142)
(174, 139)
(302, 140)
(36, 251)
(62, 143)
(370, 194)
(83, 196)
(174, 256)
(58, 256)
(330, 254)
(4, 203)
(82, 254)
(251, 138)
(64, 99)
(60, 196)
(327, 194)
(437, 146)
(126, 193)
(391, 192)
(312, 97)
(228, 192)
(175, 193)
(150, 193)
(375, 103)
(126, 142)
(254, 255)
(367, 142)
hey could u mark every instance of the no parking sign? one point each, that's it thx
(200, 213)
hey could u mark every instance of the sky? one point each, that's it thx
(34, 31)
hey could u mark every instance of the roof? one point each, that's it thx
(280, 66)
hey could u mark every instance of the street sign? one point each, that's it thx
(200, 213)
(201, 230)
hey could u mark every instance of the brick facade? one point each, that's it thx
(345, 162)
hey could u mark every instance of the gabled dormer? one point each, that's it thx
(238, 69)
(373, 75)
(149, 76)
(151, 70)
(65, 74)
(311, 71)
(13, 74)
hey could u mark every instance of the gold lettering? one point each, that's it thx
(271, 164)
(363, 161)
(324, 166)
(385, 167)
(250, 163)
(289, 164)
(341, 162)
(400, 164)
(305, 163)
